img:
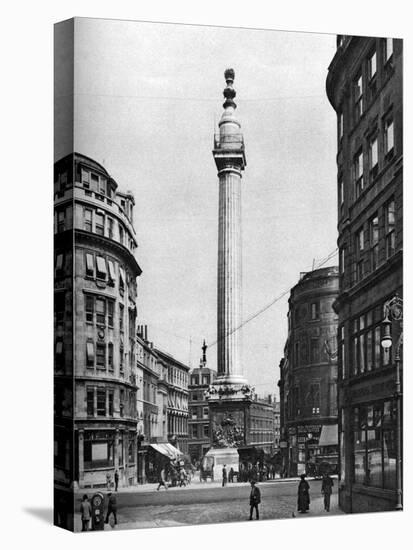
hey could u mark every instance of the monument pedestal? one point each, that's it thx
(223, 457)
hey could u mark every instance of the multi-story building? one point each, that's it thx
(261, 424)
(177, 406)
(277, 424)
(95, 316)
(364, 86)
(152, 400)
(308, 371)
(199, 437)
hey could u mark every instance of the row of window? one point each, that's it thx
(63, 219)
(199, 412)
(309, 351)
(367, 160)
(100, 402)
(197, 431)
(100, 356)
(368, 242)
(204, 380)
(100, 184)
(103, 269)
(300, 312)
(367, 353)
(365, 84)
(98, 222)
(308, 403)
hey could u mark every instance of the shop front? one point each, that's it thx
(100, 453)
(370, 458)
(158, 456)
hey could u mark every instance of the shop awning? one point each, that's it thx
(167, 449)
(328, 436)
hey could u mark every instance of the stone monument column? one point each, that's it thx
(229, 156)
(229, 396)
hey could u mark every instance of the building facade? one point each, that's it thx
(177, 402)
(199, 437)
(95, 244)
(277, 425)
(308, 372)
(261, 424)
(364, 86)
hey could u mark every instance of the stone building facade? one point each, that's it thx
(308, 371)
(98, 222)
(364, 86)
(199, 437)
(177, 403)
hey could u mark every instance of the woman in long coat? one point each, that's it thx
(303, 501)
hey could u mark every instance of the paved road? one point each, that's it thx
(197, 505)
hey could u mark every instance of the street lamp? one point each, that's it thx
(393, 311)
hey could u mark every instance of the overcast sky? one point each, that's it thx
(147, 99)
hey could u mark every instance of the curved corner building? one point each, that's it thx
(308, 377)
(95, 274)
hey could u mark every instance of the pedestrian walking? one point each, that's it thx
(224, 476)
(303, 501)
(255, 499)
(86, 512)
(116, 480)
(111, 508)
(231, 476)
(162, 480)
(326, 489)
(182, 477)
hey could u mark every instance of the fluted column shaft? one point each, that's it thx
(229, 274)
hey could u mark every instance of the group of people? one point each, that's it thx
(257, 472)
(176, 474)
(303, 500)
(86, 511)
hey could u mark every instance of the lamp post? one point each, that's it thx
(393, 311)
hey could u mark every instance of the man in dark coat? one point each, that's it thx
(327, 489)
(86, 511)
(111, 508)
(224, 475)
(116, 480)
(255, 499)
(303, 501)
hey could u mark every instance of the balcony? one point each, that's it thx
(229, 141)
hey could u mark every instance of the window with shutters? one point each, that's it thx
(90, 265)
(100, 267)
(90, 354)
(59, 265)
